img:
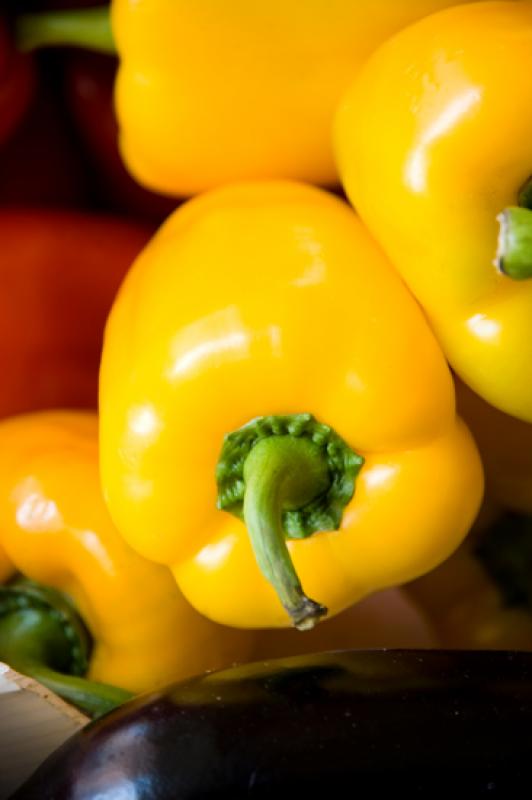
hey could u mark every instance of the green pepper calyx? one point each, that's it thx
(42, 636)
(514, 251)
(287, 477)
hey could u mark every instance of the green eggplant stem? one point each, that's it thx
(86, 28)
(514, 254)
(282, 473)
(37, 641)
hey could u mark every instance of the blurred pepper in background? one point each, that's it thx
(57, 532)
(481, 597)
(257, 317)
(17, 80)
(505, 445)
(434, 144)
(41, 164)
(59, 272)
(41, 5)
(208, 95)
(89, 81)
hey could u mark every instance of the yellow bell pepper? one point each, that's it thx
(260, 315)
(434, 145)
(56, 531)
(505, 445)
(480, 598)
(209, 93)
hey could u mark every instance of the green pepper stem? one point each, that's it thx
(514, 253)
(282, 473)
(286, 476)
(87, 28)
(34, 641)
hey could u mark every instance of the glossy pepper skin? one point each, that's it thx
(480, 597)
(271, 299)
(431, 185)
(208, 95)
(316, 725)
(60, 271)
(56, 531)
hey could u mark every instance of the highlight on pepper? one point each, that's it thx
(446, 190)
(206, 95)
(263, 358)
(84, 614)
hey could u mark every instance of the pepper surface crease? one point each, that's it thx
(446, 188)
(262, 315)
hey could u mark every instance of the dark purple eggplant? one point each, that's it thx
(431, 723)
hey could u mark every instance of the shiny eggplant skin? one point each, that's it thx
(429, 722)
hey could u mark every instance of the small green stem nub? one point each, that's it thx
(514, 254)
(39, 637)
(286, 477)
(88, 28)
(524, 198)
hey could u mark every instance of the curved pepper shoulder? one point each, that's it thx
(205, 97)
(272, 299)
(57, 532)
(434, 143)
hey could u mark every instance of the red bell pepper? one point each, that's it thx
(41, 164)
(59, 273)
